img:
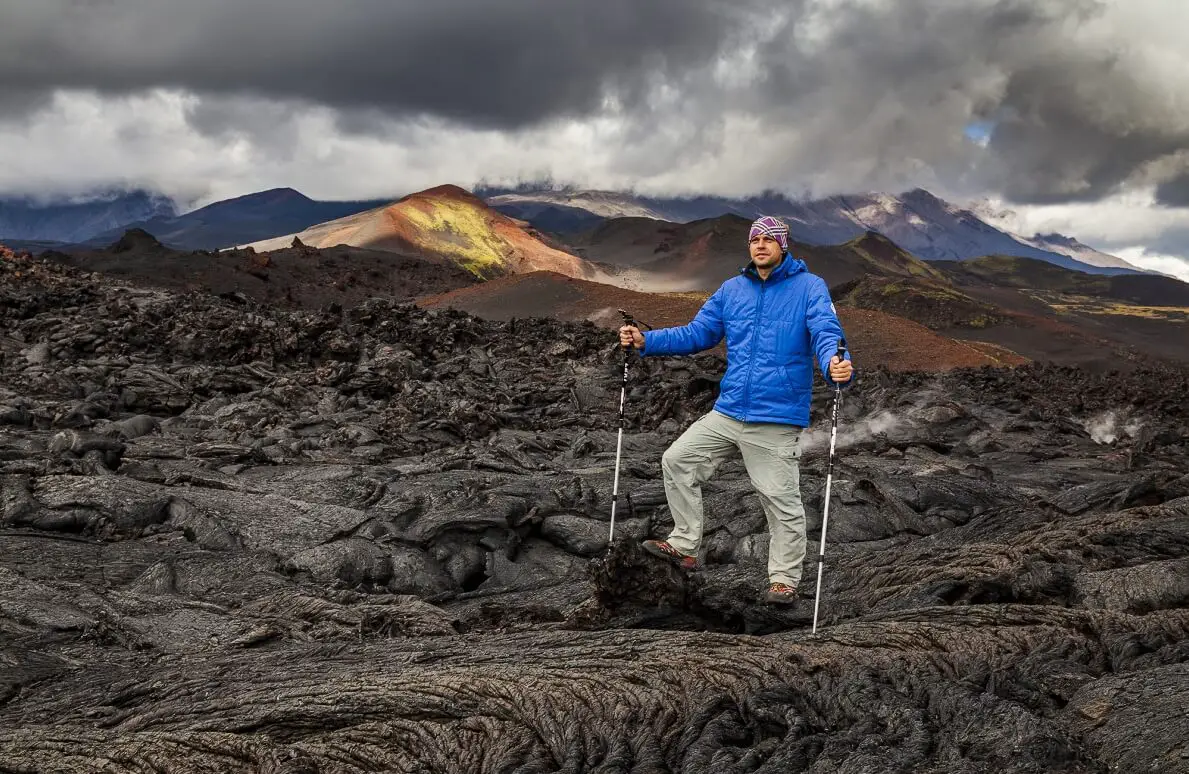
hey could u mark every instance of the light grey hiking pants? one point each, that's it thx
(770, 453)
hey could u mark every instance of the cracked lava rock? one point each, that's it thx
(236, 539)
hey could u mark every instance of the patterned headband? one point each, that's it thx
(773, 227)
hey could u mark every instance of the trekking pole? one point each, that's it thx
(821, 555)
(623, 395)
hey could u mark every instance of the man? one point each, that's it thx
(778, 320)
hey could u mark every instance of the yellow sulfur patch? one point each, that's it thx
(460, 232)
(1169, 313)
(1074, 304)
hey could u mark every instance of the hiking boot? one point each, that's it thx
(662, 549)
(781, 594)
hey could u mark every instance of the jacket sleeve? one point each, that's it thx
(703, 332)
(824, 328)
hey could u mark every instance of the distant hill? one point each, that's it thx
(449, 223)
(238, 221)
(1010, 271)
(550, 218)
(1065, 245)
(27, 221)
(917, 221)
(939, 306)
(701, 254)
(599, 204)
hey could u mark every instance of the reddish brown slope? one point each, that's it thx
(875, 338)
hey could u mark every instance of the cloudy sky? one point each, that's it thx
(1068, 115)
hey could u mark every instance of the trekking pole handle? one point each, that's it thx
(841, 355)
(632, 321)
(628, 319)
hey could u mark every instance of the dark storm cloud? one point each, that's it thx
(1073, 119)
(493, 64)
(19, 101)
(831, 95)
(1173, 241)
(1079, 130)
(1174, 193)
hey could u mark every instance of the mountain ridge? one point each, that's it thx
(916, 220)
(27, 219)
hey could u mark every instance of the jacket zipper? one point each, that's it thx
(751, 367)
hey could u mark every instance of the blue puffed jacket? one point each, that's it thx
(775, 328)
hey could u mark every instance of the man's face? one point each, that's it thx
(765, 251)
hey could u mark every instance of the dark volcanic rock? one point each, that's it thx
(296, 277)
(239, 538)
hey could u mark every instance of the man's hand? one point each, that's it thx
(840, 370)
(630, 336)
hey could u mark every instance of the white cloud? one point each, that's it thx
(1126, 225)
(1116, 220)
(81, 141)
(1165, 264)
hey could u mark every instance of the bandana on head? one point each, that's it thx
(773, 227)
